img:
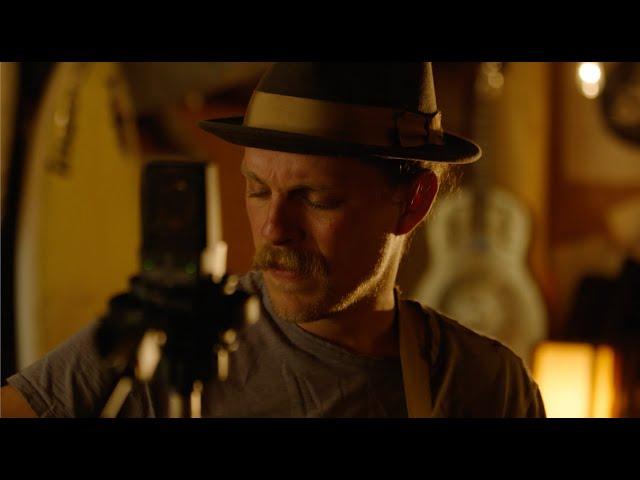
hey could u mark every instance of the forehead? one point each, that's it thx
(284, 167)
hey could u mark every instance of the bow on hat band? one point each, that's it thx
(366, 125)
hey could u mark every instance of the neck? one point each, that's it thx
(367, 327)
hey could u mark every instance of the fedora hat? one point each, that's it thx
(381, 109)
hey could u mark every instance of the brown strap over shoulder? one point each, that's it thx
(415, 369)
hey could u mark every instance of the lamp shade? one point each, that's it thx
(576, 380)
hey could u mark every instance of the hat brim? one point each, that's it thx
(456, 149)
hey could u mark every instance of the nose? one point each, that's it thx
(281, 226)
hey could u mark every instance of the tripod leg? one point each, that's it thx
(117, 398)
(223, 363)
(149, 353)
(196, 400)
(176, 405)
(147, 358)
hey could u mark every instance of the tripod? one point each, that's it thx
(188, 328)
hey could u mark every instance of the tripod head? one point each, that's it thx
(176, 322)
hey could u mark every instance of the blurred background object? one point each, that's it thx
(479, 235)
(577, 380)
(562, 237)
(8, 106)
(590, 78)
(158, 85)
(621, 101)
(77, 231)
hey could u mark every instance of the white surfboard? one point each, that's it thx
(78, 230)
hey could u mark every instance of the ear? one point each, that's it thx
(420, 196)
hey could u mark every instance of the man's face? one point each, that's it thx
(322, 228)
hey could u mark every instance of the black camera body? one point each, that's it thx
(174, 221)
(189, 318)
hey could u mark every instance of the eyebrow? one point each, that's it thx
(249, 174)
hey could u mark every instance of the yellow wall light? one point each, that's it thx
(576, 380)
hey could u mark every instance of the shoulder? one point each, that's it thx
(475, 375)
(73, 380)
(58, 384)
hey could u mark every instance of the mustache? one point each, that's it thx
(300, 262)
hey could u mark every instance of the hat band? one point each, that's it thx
(359, 124)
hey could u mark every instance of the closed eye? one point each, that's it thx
(259, 194)
(316, 198)
(323, 205)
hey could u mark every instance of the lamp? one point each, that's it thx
(576, 380)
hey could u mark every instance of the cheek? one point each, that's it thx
(327, 235)
(256, 216)
(348, 238)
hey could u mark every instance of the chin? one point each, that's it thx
(310, 305)
(298, 305)
(293, 306)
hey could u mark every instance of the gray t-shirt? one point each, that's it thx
(280, 370)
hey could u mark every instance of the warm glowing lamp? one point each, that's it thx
(590, 78)
(576, 380)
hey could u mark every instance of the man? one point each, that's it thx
(342, 162)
